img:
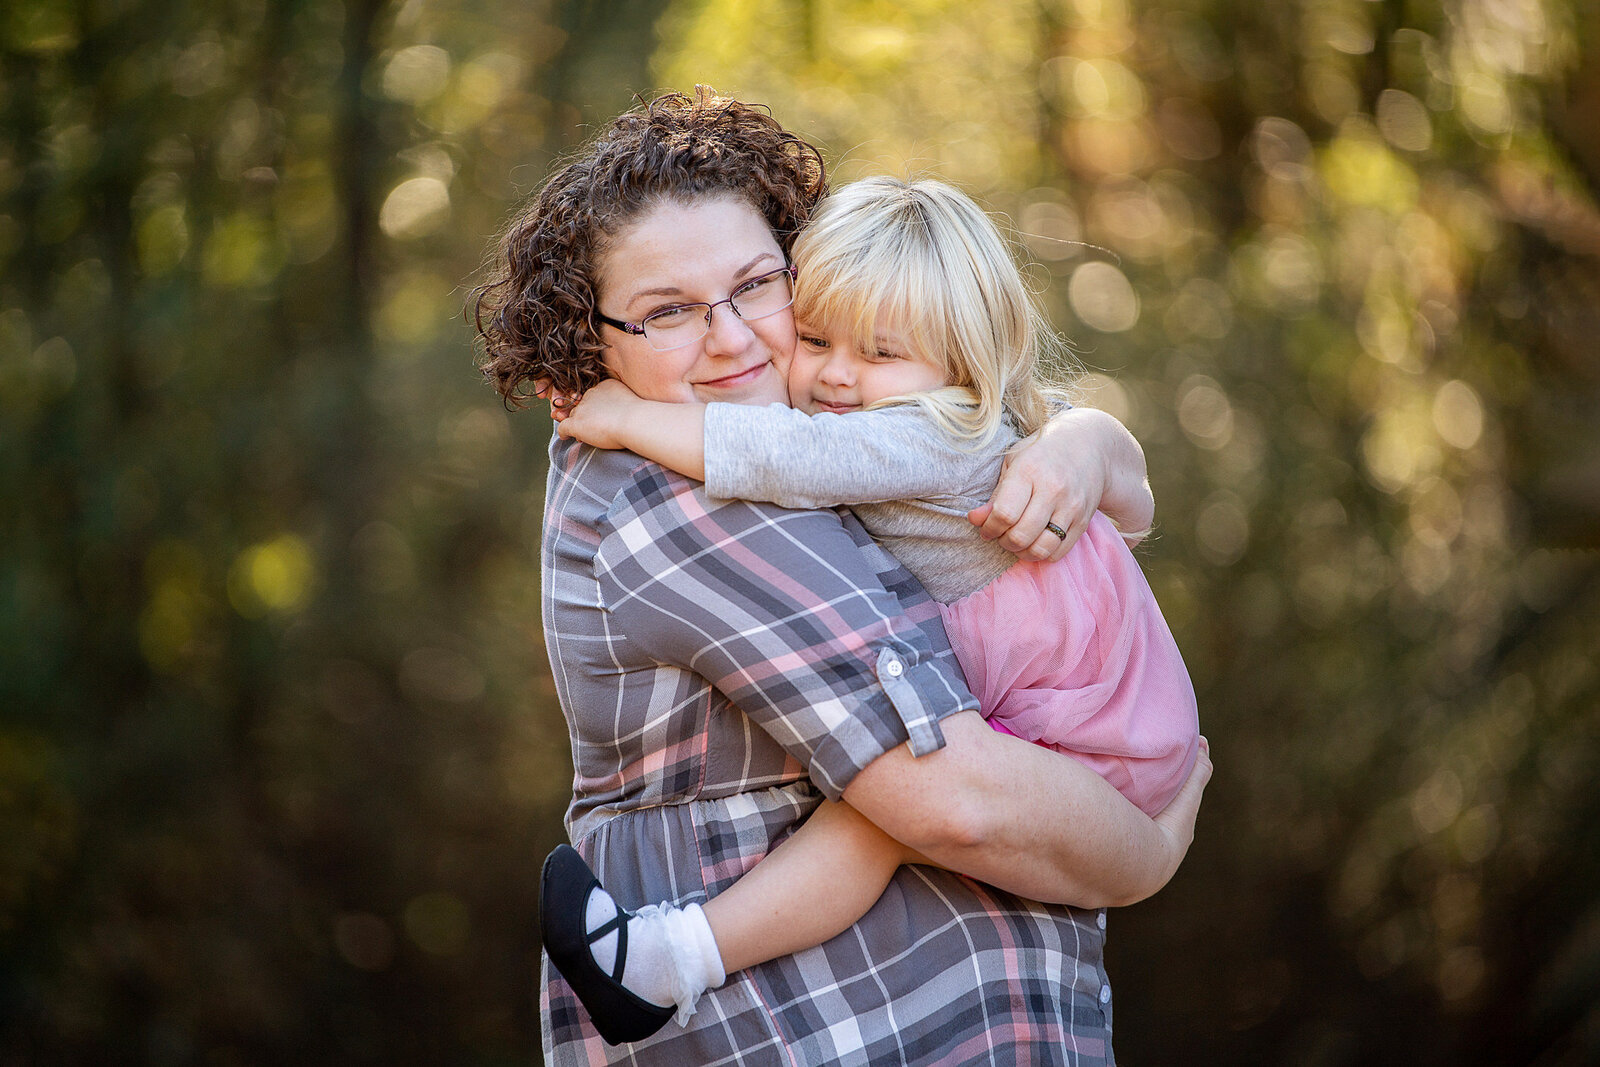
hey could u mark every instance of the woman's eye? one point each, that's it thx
(667, 318)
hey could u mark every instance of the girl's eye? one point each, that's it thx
(813, 342)
(883, 355)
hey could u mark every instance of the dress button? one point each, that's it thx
(1105, 994)
(1100, 920)
(895, 668)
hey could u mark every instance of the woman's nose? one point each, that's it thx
(727, 334)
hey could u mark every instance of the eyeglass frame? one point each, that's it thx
(636, 329)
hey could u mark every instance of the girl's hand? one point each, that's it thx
(561, 403)
(601, 416)
(1081, 461)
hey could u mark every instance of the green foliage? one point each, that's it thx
(1333, 264)
(278, 747)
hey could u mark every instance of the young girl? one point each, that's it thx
(917, 369)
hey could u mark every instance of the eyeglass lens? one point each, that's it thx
(687, 323)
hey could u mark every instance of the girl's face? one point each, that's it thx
(832, 373)
(699, 252)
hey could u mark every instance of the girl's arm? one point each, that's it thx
(787, 613)
(780, 455)
(1081, 461)
(784, 456)
(611, 415)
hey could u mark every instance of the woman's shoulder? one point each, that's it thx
(626, 495)
(584, 483)
(609, 479)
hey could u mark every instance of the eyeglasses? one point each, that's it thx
(684, 324)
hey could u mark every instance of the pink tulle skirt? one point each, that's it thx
(1075, 656)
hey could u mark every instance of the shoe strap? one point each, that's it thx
(619, 923)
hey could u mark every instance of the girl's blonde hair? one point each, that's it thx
(925, 260)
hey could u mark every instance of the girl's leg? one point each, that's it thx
(815, 885)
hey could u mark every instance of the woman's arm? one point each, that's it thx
(1025, 819)
(791, 615)
(804, 623)
(1081, 460)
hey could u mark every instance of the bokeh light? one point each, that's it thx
(279, 747)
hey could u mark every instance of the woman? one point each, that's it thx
(725, 666)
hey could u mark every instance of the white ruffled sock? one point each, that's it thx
(672, 953)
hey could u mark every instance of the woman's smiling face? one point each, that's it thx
(699, 252)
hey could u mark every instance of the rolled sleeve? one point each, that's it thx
(785, 614)
(915, 691)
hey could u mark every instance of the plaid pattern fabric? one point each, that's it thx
(723, 665)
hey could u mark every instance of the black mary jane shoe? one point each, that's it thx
(564, 889)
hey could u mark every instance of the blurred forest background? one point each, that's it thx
(279, 756)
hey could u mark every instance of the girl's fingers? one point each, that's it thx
(561, 403)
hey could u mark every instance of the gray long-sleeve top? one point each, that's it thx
(910, 483)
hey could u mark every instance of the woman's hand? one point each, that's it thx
(1026, 819)
(1176, 821)
(1081, 461)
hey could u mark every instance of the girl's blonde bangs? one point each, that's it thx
(867, 283)
(924, 261)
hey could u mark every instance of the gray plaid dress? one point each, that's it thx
(724, 665)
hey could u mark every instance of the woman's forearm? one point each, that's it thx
(1127, 498)
(1024, 819)
(1081, 461)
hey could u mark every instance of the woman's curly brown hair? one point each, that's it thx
(536, 312)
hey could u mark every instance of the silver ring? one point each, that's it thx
(1058, 531)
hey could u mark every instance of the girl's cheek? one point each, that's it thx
(797, 376)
